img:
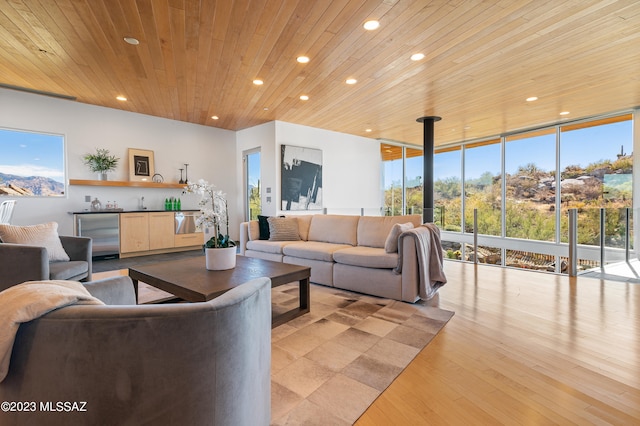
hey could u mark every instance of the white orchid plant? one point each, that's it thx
(214, 213)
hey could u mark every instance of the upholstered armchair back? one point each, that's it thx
(203, 363)
(20, 262)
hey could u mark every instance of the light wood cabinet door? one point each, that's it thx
(134, 232)
(161, 230)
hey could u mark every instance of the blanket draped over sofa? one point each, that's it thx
(430, 258)
(366, 254)
(30, 300)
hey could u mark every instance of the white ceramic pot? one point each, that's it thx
(219, 259)
(102, 175)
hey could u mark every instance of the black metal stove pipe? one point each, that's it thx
(428, 143)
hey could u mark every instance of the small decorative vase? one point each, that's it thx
(102, 176)
(219, 259)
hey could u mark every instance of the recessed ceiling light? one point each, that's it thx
(367, 130)
(302, 59)
(304, 98)
(371, 25)
(351, 81)
(532, 98)
(417, 56)
(258, 82)
(121, 98)
(215, 117)
(564, 113)
(265, 109)
(132, 40)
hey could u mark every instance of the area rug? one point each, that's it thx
(329, 365)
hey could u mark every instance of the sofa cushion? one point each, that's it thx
(268, 246)
(283, 229)
(368, 257)
(314, 250)
(338, 229)
(75, 269)
(304, 222)
(42, 235)
(374, 230)
(391, 244)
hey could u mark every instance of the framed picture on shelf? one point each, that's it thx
(141, 166)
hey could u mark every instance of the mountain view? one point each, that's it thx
(14, 185)
(531, 202)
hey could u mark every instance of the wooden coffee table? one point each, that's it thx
(190, 280)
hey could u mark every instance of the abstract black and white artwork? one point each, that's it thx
(301, 178)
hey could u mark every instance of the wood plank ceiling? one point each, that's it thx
(198, 58)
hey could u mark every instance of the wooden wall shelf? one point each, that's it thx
(121, 183)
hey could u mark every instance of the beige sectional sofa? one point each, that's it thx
(346, 252)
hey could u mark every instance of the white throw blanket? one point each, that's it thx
(430, 258)
(30, 300)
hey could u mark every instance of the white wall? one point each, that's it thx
(207, 150)
(262, 137)
(350, 166)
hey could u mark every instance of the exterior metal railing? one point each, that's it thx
(569, 256)
(573, 242)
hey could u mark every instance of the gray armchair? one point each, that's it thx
(20, 263)
(206, 363)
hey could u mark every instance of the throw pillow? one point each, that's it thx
(263, 226)
(42, 235)
(391, 244)
(254, 230)
(283, 229)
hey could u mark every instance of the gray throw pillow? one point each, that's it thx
(283, 229)
(391, 244)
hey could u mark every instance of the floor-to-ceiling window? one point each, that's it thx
(447, 196)
(530, 195)
(522, 184)
(596, 176)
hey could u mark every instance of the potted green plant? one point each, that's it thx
(220, 250)
(101, 162)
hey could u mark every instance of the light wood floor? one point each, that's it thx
(522, 348)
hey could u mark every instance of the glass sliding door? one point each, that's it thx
(253, 194)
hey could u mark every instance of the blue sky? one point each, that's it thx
(254, 169)
(578, 147)
(32, 154)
